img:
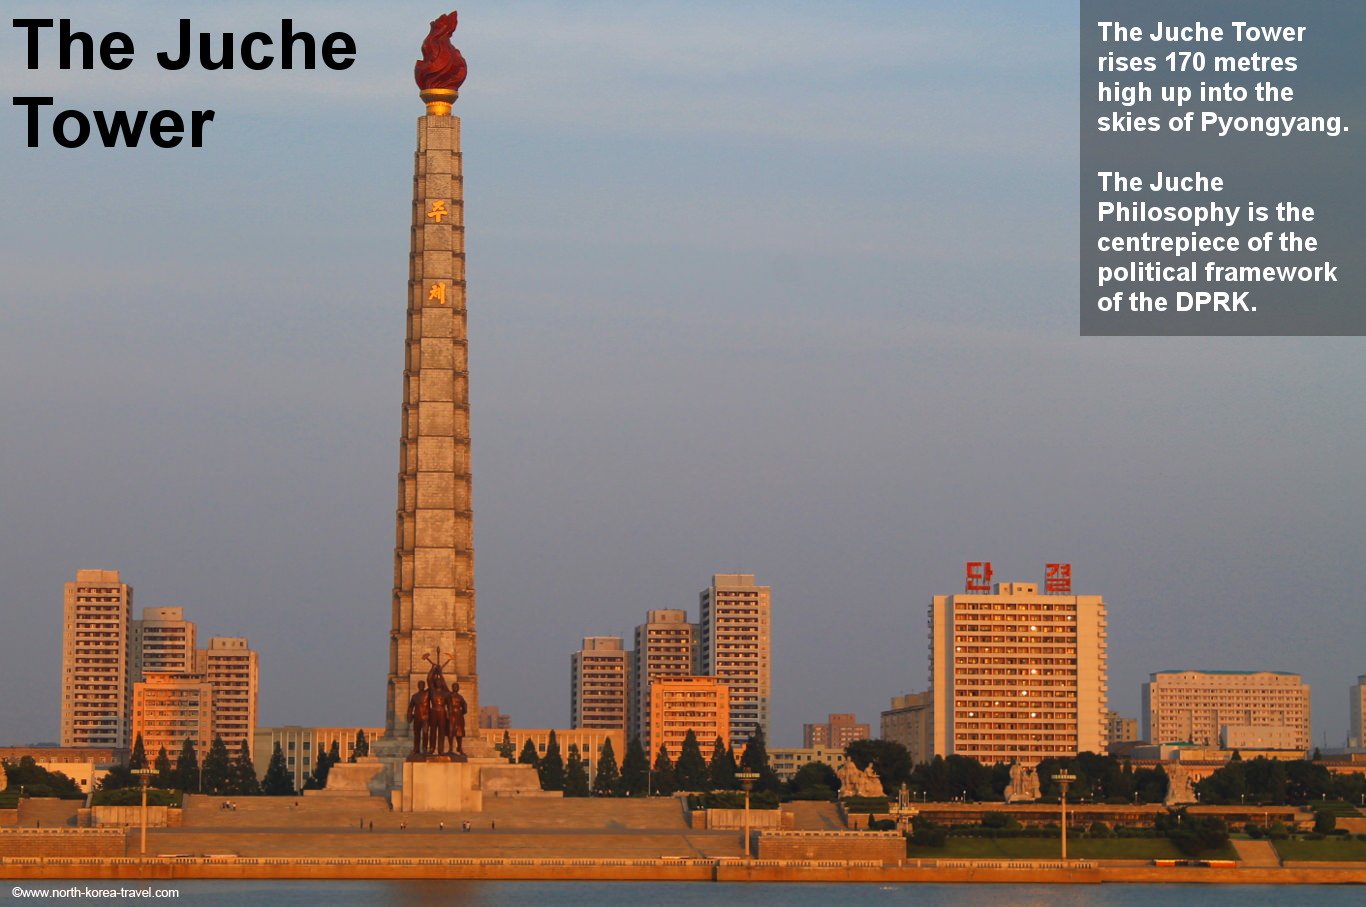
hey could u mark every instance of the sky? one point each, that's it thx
(787, 289)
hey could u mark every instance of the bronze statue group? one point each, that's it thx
(436, 713)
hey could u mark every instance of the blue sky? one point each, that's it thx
(782, 288)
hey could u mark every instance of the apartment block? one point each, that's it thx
(1018, 673)
(681, 704)
(169, 709)
(663, 648)
(1356, 709)
(1119, 729)
(837, 731)
(163, 643)
(231, 668)
(96, 680)
(734, 642)
(910, 722)
(598, 684)
(1206, 707)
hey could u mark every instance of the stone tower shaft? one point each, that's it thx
(433, 601)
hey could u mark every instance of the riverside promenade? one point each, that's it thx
(642, 840)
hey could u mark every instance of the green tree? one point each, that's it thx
(606, 780)
(362, 747)
(507, 749)
(635, 771)
(721, 769)
(187, 768)
(217, 773)
(244, 773)
(892, 763)
(138, 758)
(691, 769)
(278, 781)
(1325, 820)
(528, 755)
(165, 778)
(814, 781)
(575, 775)
(322, 767)
(755, 759)
(662, 781)
(37, 781)
(552, 765)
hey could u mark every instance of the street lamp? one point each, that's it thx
(903, 811)
(747, 779)
(143, 773)
(1064, 778)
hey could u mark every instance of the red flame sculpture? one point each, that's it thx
(441, 66)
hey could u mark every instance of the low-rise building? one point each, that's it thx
(301, 746)
(85, 765)
(787, 761)
(589, 741)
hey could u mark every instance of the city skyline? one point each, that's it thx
(758, 291)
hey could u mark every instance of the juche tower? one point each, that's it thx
(433, 602)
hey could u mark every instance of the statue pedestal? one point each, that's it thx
(444, 786)
(363, 778)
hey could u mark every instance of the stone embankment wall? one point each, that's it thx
(62, 842)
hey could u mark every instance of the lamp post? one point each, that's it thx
(747, 779)
(144, 773)
(1064, 778)
(903, 811)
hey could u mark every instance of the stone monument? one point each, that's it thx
(432, 630)
(1179, 788)
(1024, 784)
(859, 783)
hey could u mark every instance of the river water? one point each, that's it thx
(707, 894)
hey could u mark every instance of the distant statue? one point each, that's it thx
(441, 66)
(859, 783)
(1179, 787)
(1024, 784)
(436, 713)
(456, 707)
(419, 716)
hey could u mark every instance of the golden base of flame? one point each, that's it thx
(439, 100)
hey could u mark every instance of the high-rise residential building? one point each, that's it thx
(1240, 709)
(1018, 673)
(163, 643)
(96, 680)
(734, 642)
(664, 648)
(910, 722)
(169, 709)
(837, 731)
(231, 669)
(598, 684)
(1356, 709)
(681, 704)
